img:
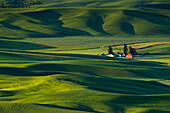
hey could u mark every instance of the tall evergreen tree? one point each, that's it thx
(131, 50)
(110, 51)
(125, 49)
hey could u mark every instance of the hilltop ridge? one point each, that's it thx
(87, 18)
(59, 22)
(99, 3)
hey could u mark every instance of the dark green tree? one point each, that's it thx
(131, 50)
(110, 51)
(125, 49)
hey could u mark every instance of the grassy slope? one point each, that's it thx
(41, 80)
(94, 3)
(118, 21)
(65, 74)
(99, 3)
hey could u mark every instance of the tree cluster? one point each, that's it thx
(132, 50)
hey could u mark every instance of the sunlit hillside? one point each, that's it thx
(53, 57)
(58, 22)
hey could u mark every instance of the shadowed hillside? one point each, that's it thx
(102, 3)
(53, 57)
(74, 79)
(82, 22)
(86, 18)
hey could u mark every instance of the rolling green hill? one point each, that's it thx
(50, 58)
(73, 78)
(99, 3)
(59, 22)
(103, 3)
(58, 18)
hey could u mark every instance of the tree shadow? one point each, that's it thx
(149, 46)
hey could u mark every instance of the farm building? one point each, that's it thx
(130, 55)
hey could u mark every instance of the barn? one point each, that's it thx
(130, 55)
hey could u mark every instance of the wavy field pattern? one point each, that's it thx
(40, 81)
(51, 62)
(83, 22)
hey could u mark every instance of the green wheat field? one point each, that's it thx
(50, 58)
